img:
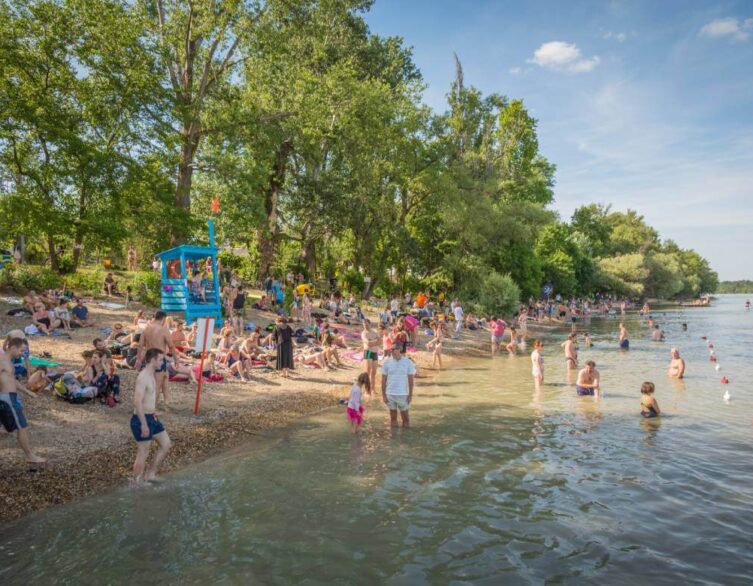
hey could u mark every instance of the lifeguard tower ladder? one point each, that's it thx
(176, 292)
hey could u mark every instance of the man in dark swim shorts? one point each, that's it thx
(588, 380)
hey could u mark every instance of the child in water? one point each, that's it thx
(586, 340)
(435, 344)
(355, 408)
(649, 406)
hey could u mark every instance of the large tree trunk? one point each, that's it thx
(185, 170)
(308, 255)
(269, 235)
(54, 265)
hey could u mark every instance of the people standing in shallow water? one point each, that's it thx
(571, 352)
(589, 380)
(676, 365)
(649, 406)
(537, 364)
(355, 401)
(624, 342)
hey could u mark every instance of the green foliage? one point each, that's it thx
(147, 286)
(622, 275)
(24, 278)
(494, 294)
(744, 286)
(85, 282)
(352, 280)
(243, 265)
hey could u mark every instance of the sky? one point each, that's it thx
(640, 104)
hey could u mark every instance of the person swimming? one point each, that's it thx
(649, 406)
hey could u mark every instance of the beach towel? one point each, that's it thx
(110, 305)
(34, 361)
(12, 300)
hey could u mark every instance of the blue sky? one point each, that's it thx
(647, 105)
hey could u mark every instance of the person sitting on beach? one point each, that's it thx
(658, 334)
(588, 380)
(178, 336)
(31, 300)
(649, 406)
(314, 356)
(140, 321)
(38, 379)
(330, 350)
(236, 364)
(80, 315)
(62, 314)
(110, 285)
(225, 343)
(42, 320)
(676, 365)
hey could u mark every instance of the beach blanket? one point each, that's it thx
(34, 361)
(109, 305)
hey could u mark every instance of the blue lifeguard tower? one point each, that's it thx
(181, 264)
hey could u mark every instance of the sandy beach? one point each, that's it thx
(90, 449)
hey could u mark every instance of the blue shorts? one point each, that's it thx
(162, 368)
(583, 391)
(155, 427)
(12, 415)
(625, 344)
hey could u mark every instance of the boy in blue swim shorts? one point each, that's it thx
(588, 383)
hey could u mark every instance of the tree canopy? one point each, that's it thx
(123, 121)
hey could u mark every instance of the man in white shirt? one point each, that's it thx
(458, 312)
(398, 373)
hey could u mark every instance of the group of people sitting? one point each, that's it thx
(52, 311)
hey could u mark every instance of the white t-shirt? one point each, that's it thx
(355, 397)
(458, 312)
(397, 373)
(394, 305)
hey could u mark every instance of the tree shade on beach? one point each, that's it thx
(124, 122)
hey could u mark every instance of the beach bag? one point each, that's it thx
(58, 389)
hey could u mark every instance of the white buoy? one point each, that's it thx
(718, 367)
(727, 396)
(712, 352)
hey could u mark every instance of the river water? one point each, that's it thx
(493, 484)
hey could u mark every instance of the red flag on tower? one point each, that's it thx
(215, 205)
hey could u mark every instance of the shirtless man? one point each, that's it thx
(658, 334)
(588, 380)
(371, 343)
(676, 365)
(145, 425)
(624, 342)
(157, 336)
(571, 352)
(11, 411)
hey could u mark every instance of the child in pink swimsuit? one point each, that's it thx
(355, 407)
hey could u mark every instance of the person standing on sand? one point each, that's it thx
(588, 383)
(676, 365)
(371, 342)
(537, 364)
(398, 374)
(145, 424)
(12, 416)
(157, 336)
(458, 313)
(571, 352)
(624, 342)
(283, 336)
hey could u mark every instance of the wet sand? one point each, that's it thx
(90, 449)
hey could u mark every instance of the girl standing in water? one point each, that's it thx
(355, 406)
(649, 406)
(537, 364)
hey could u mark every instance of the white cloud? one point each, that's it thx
(563, 56)
(730, 28)
(619, 37)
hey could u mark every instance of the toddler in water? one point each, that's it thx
(649, 406)
(355, 408)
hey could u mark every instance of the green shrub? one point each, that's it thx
(24, 278)
(352, 280)
(495, 294)
(244, 266)
(88, 282)
(147, 286)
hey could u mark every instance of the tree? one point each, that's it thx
(591, 221)
(630, 234)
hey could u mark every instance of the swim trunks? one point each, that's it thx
(16, 413)
(162, 368)
(6, 417)
(397, 402)
(370, 355)
(583, 391)
(625, 344)
(155, 427)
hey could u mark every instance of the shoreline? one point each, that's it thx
(89, 447)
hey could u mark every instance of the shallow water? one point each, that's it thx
(493, 484)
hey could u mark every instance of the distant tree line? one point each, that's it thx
(743, 286)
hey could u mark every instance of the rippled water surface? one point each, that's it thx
(492, 485)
